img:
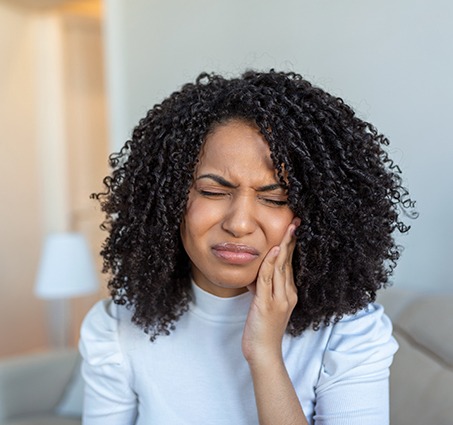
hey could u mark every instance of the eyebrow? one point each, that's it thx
(223, 182)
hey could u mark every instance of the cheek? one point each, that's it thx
(199, 217)
(277, 224)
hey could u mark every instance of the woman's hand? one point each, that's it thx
(275, 298)
(274, 301)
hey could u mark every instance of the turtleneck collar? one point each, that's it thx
(227, 310)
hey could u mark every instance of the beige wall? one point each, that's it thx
(86, 137)
(54, 145)
(21, 314)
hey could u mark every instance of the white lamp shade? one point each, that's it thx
(67, 269)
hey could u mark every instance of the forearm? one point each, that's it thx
(276, 399)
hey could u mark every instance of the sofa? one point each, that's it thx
(41, 389)
(421, 376)
(46, 389)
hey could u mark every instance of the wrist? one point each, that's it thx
(265, 361)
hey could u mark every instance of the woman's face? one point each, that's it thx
(236, 211)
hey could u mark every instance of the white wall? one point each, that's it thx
(392, 61)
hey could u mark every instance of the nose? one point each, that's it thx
(240, 217)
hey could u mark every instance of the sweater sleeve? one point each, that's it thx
(109, 398)
(353, 383)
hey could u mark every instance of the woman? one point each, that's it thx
(250, 225)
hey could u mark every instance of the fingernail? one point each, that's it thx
(297, 221)
(275, 251)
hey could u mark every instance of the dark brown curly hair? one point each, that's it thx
(340, 182)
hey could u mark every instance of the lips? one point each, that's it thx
(235, 253)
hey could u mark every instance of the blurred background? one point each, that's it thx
(76, 76)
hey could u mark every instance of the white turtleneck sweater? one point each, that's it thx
(198, 375)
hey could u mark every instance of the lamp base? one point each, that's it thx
(58, 317)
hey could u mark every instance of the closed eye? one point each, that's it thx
(210, 194)
(275, 202)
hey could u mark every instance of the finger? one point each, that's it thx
(264, 281)
(292, 244)
(283, 266)
(289, 238)
(283, 275)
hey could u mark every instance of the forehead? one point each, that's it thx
(234, 145)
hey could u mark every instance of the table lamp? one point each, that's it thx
(66, 270)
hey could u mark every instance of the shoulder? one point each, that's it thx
(369, 325)
(104, 331)
(359, 345)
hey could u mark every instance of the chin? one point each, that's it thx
(234, 283)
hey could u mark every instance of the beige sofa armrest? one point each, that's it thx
(34, 383)
(421, 376)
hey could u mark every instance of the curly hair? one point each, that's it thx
(340, 182)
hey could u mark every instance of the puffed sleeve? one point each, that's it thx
(353, 383)
(109, 398)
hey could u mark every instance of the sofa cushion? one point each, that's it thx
(421, 375)
(420, 387)
(428, 320)
(32, 384)
(72, 402)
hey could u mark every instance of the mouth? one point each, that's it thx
(232, 253)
